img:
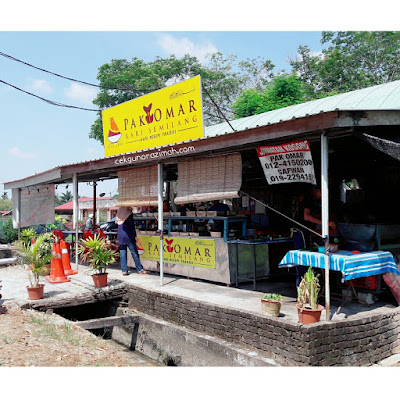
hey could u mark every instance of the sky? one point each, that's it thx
(36, 136)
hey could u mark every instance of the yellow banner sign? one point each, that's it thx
(168, 116)
(196, 252)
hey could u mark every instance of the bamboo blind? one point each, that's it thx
(211, 178)
(138, 187)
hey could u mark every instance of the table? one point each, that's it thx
(66, 233)
(351, 265)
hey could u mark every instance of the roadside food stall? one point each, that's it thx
(228, 246)
(227, 167)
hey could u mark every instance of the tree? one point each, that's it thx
(5, 205)
(222, 77)
(352, 60)
(64, 198)
(250, 102)
(284, 90)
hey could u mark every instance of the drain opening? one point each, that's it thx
(170, 362)
(84, 312)
(104, 320)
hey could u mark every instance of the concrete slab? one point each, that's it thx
(14, 282)
(393, 361)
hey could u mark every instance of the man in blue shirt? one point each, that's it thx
(217, 206)
(126, 238)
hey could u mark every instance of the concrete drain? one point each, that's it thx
(158, 340)
(111, 320)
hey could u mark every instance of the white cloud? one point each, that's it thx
(18, 153)
(83, 94)
(318, 54)
(183, 46)
(41, 85)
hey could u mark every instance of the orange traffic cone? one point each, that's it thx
(53, 261)
(57, 271)
(65, 259)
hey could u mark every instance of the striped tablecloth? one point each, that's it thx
(351, 265)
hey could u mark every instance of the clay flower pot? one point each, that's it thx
(271, 307)
(100, 280)
(46, 270)
(35, 293)
(308, 315)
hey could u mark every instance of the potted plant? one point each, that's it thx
(309, 310)
(45, 249)
(271, 304)
(29, 236)
(96, 251)
(33, 259)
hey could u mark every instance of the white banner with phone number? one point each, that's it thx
(287, 163)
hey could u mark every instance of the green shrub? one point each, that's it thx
(273, 296)
(27, 234)
(59, 223)
(7, 232)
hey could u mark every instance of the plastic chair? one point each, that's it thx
(87, 234)
(58, 234)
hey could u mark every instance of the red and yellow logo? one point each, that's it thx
(113, 134)
(139, 245)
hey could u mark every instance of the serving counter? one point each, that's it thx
(193, 257)
(203, 257)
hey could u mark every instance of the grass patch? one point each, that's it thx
(63, 333)
(7, 340)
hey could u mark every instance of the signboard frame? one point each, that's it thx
(165, 117)
(287, 163)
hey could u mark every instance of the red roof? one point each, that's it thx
(70, 205)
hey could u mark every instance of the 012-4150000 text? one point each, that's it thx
(289, 163)
(292, 177)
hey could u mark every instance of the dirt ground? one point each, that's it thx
(32, 338)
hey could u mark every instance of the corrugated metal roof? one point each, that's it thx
(380, 97)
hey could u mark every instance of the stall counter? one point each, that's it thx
(204, 257)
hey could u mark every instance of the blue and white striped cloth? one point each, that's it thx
(351, 265)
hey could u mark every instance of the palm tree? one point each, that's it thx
(64, 198)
